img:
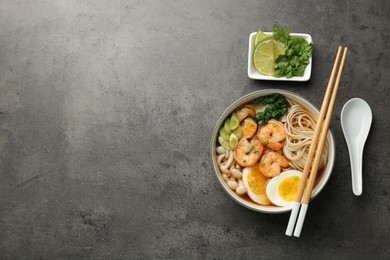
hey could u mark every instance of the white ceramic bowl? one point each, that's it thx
(254, 74)
(292, 96)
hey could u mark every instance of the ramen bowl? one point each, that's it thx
(244, 200)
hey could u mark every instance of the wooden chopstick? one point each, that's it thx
(312, 148)
(324, 133)
(326, 110)
(317, 131)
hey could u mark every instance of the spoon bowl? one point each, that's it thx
(356, 118)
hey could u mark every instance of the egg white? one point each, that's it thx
(258, 198)
(272, 189)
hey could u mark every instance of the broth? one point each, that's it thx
(297, 119)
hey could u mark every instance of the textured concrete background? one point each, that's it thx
(107, 110)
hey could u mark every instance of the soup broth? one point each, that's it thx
(268, 137)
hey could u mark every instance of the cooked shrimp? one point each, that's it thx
(272, 135)
(248, 153)
(249, 128)
(271, 164)
(244, 113)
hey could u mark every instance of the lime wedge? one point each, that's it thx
(265, 39)
(263, 57)
(265, 54)
(279, 49)
(260, 36)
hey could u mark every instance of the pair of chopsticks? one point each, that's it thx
(316, 147)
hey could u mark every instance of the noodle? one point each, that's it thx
(300, 126)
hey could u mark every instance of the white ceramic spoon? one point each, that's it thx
(356, 118)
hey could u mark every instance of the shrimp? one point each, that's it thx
(249, 128)
(272, 134)
(271, 164)
(244, 113)
(248, 153)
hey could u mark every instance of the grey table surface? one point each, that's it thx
(106, 114)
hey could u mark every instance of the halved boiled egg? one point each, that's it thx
(282, 189)
(255, 183)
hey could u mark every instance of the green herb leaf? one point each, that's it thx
(280, 34)
(276, 107)
(297, 54)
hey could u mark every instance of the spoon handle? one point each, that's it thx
(356, 157)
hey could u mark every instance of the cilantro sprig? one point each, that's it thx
(297, 54)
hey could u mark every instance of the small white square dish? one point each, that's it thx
(254, 74)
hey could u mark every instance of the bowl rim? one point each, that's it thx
(246, 98)
(254, 74)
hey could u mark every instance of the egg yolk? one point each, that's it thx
(288, 188)
(257, 181)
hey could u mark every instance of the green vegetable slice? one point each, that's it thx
(238, 132)
(227, 128)
(225, 144)
(223, 134)
(234, 121)
(233, 141)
